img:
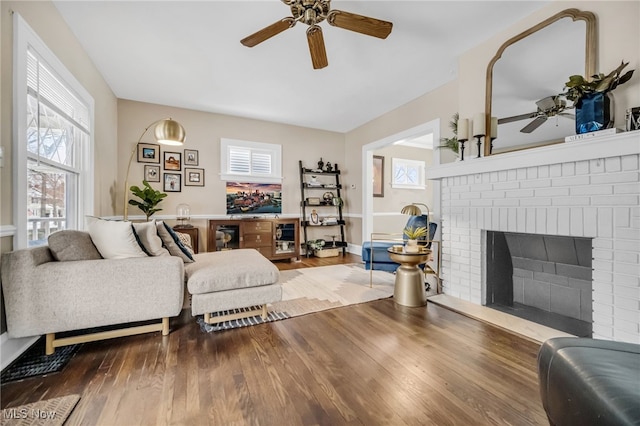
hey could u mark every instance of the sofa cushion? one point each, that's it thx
(230, 269)
(173, 243)
(114, 239)
(69, 245)
(185, 239)
(148, 234)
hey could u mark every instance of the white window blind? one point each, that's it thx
(254, 161)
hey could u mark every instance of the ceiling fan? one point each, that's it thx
(547, 107)
(312, 12)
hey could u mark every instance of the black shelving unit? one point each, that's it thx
(317, 191)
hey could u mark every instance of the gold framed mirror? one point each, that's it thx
(528, 72)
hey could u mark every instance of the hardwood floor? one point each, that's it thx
(373, 363)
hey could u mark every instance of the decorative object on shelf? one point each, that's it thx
(183, 215)
(453, 143)
(314, 182)
(378, 176)
(191, 157)
(337, 201)
(172, 182)
(328, 197)
(463, 135)
(592, 99)
(329, 167)
(150, 198)
(330, 220)
(193, 177)
(479, 129)
(152, 173)
(313, 201)
(493, 133)
(172, 161)
(320, 164)
(314, 219)
(632, 119)
(167, 132)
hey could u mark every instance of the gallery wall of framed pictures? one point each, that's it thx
(171, 168)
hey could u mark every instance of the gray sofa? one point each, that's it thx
(46, 296)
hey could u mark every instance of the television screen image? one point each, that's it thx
(254, 198)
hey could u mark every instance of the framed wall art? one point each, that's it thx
(190, 157)
(172, 182)
(152, 173)
(172, 161)
(378, 176)
(148, 153)
(193, 177)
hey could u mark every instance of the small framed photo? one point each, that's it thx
(190, 157)
(193, 177)
(152, 173)
(172, 182)
(173, 161)
(313, 201)
(148, 153)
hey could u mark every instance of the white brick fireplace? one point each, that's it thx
(580, 189)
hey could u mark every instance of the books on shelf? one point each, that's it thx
(598, 134)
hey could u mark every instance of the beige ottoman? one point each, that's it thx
(232, 279)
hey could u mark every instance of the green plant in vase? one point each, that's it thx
(452, 143)
(413, 234)
(591, 98)
(150, 198)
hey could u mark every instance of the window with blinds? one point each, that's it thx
(255, 161)
(53, 142)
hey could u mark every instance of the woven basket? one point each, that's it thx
(330, 252)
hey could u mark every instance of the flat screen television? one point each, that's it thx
(254, 198)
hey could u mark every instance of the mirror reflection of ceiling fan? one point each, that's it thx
(312, 12)
(550, 106)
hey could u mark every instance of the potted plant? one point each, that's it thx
(451, 143)
(592, 98)
(413, 234)
(150, 198)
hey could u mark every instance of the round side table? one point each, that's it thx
(409, 286)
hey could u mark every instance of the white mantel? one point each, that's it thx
(588, 188)
(627, 143)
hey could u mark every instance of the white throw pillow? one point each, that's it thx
(148, 234)
(114, 239)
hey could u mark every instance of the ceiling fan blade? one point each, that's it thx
(360, 24)
(516, 118)
(534, 124)
(316, 47)
(268, 32)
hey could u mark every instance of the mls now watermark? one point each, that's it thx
(25, 413)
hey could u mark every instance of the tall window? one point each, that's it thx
(252, 161)
(53, 142)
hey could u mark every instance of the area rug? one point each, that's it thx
(237, 323)
(50, 412)
(34, 362)
(308, 290)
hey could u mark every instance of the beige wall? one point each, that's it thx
(204, 131)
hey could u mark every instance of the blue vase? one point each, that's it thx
(594, 111)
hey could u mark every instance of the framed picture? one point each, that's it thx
(148, 153)
(172, 161)
(378, 176)
(172, 182)
(190, 157)
(193, 177)
(152, 173)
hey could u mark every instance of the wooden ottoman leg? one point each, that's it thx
(49, 349)
(265, 313)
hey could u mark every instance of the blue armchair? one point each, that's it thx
(381, 259)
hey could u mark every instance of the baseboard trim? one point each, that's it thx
(354, 249)
(11, 349)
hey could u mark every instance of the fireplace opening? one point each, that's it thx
(542, 278)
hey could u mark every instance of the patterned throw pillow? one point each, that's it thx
(186, 240)
(148, 234)
(173, 243)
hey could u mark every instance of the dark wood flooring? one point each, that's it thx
(368, 364)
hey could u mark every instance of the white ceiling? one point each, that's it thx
(188, 54)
